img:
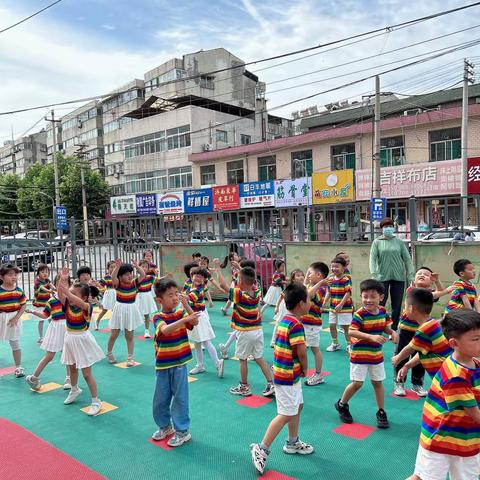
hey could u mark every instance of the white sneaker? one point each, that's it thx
(147, 334)
(67, 384)
(299, 447)
(130, 362)
(19, 372)
(333, 347)
(72, 396)
(419, 390)
(259, 457)
(111, 358)
(33, 382)
(349, 349)
(315, 379)
(197, 369)
(95, 408)
(223, 351)
(179, 439)
(269, 390)
(163, 433)
(399, 389)
(220, 368)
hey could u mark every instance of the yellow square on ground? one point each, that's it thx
(325, 329)
(272, 323)
(234, 358)
(192, 379)
(47, 387)
(106, 407)
(124, 365)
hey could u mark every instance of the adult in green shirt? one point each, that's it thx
(391, 264)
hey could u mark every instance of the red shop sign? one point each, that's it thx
(226, 197)
(473, 175)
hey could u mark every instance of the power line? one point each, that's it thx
(30, 16)
(241, 65)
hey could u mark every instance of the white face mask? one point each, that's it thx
(388, 231)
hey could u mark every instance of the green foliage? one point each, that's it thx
(33, 196)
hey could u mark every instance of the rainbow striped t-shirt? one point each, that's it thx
(196, 298)
(364, 351)
(41, 292)
(246, 315)
(172, 350)
(12, 300)
(446, 426)
(106, 282)
(146, 284)
(338, 288)
(186, 286)
(54, 309)
(279, 280)
(78, 320)
(127, 293)
(462, 288)
(432, 346)
(314, 315)
(286, 365)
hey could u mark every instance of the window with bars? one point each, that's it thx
(267, 168)
(222, 136)
(235, 174)
(445, 144)
(343, 156)
(180, 177)
(302, 164)
(245, 139)
(392, 151)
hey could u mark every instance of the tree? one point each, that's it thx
(9, 189)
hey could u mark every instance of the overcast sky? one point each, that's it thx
(79, 49)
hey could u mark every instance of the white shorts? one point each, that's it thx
(289, 398)
(343, 319)
(312, 335)
(436, 466)
(358, 372)
(249, 343)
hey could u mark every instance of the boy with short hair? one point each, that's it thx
(196, 257)
(341, 305)
(289, 364)
(366, 357)
(465, 294)
(316, 281)
(247, 322)
(173, 352)
(429, 344)
(449, 439)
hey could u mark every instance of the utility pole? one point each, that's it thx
(377, 189)
(55, 163)
(80, 154)
(467, 78)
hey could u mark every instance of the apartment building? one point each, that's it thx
(141, 135)
(19, 155)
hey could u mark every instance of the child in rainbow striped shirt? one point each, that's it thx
(449, 439)
(465, 294)
(366, 357)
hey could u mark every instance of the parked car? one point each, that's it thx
(203, 237)
(24, 252)
(450, 235)
(135, 244)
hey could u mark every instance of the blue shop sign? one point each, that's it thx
(198, 201)
(146, 203)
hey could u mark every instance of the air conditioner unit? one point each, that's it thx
(207, 147)
(412, 111)
(116, 175)
(79, 124)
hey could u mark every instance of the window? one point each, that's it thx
(174, 74)
(235, 172)
(267, 168)
(222, 136)
(392, 152)
(207, 81)
(245, 139)
(118, 189)
(445, 144)
(144, 182)
(180, 177)
(207, 174)
(302, 164)
(343, 156)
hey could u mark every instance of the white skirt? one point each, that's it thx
(55, 336)
(109, 299)
(203, 331)
(125, 316)
(145, 303)
(282, 310)
(81, 349)
(272, 296)
(6, 332)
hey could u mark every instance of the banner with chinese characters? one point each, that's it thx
(257, 194)
(430, 179)
(170, 203)
(123, 205)
(291, 193)
(146, 203)
(226, 198)
(473, 176)
(198, 201)
(332, 187)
